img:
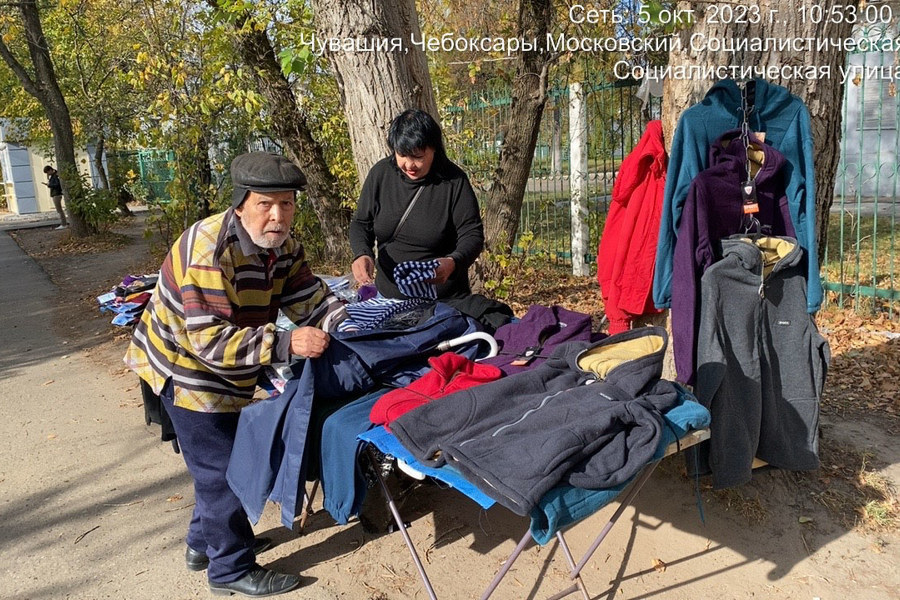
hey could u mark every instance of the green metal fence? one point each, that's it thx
(860, 264)
(156, 171)
(615, 121)
(860, 268)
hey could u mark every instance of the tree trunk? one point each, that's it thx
(823, 97)
(203, 174)
(291, 126)
(98, 163)
(42, 84)
(529, 95)
(375, 86)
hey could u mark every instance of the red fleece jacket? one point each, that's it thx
(449, 373)
(627, 252)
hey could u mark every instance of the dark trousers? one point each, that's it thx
(219, 526)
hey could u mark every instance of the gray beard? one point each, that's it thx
(267, 243)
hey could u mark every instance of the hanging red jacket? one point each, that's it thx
(449, 373)
(627, 252)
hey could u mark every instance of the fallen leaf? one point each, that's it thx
(804, 520)
(659, 565)
(52, 436)
(175, 498)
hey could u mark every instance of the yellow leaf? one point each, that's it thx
(804, 520)
(659, 565)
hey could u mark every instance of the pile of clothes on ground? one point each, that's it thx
(128, 299)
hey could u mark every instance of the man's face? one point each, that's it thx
(417, 164)
(267, 217)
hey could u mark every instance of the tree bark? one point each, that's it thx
(823, 97)
(43, 85)
(291, 127)
(508, 182)
(375, 86)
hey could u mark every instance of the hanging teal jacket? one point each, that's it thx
(785, 120)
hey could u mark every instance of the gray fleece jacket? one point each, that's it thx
(761, 362)
(590, 416)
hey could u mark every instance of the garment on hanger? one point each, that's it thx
(627, 251)
(713, 210)
(785, 120)
(761, 362)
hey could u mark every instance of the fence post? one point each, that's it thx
(578, 172)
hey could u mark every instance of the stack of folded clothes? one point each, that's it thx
(128, 299)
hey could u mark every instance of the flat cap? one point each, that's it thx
(264, 172)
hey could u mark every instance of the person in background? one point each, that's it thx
(204, 338)
(442, 220)
(56, 193)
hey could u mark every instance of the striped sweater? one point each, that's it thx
(210, 323)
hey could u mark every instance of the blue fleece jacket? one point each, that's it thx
(785, 120)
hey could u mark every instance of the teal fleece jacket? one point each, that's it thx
(785, 120)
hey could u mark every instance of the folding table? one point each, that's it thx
(686, 424)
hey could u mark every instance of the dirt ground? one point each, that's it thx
(94, 506)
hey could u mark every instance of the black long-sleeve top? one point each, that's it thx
(445, 222)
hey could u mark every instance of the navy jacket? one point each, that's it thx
(590, 417)
(267, 461)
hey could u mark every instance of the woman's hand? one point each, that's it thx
(309, 342)
(445, 269)
(363, 269)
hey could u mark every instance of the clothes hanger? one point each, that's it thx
(748, 187)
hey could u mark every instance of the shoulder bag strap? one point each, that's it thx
(403, 218)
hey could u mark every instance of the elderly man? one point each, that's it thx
(204, 338)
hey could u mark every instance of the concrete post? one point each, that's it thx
(578, 178)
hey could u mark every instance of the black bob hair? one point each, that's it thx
(414, 130)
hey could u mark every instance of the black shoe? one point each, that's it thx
(197, 561)
(257, 583)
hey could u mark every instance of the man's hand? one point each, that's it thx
(445, 269)
(309, 342)
(363, 269)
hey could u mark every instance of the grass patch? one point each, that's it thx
(751, 507)
(861, 251)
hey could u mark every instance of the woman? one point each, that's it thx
(442, 221)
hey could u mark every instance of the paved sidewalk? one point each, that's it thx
(92, 503)
(9, 220)
(83, 486)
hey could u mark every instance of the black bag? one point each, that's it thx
(155, 412)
